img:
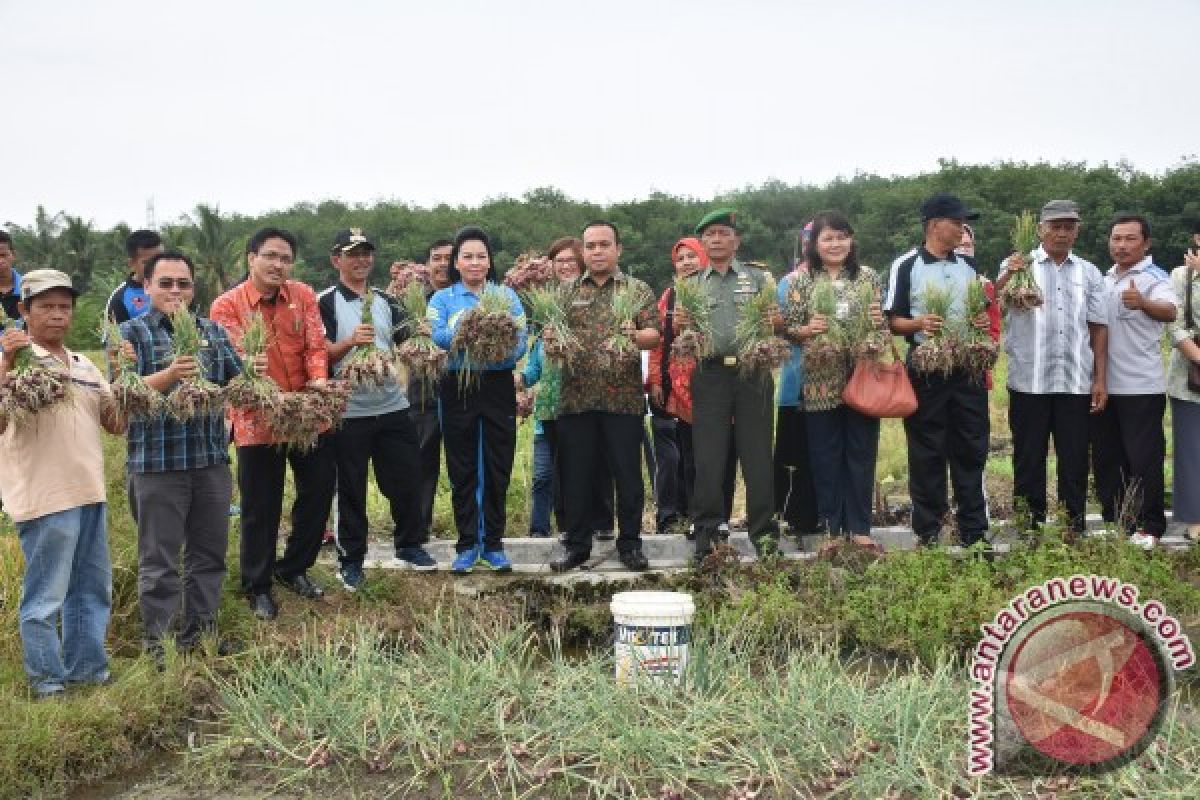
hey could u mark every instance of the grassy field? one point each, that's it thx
(383, 690)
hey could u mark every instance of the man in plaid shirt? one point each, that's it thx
(180, 477)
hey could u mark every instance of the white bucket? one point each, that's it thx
(653, 633)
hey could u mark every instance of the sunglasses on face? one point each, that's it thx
(174, 283)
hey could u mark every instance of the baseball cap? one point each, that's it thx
(39, 281)
(349, 239)
(946, 206)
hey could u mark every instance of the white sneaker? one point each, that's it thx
(1143, 540)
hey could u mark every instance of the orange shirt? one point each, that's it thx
(295, 344)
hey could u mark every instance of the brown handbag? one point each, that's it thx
(1193, 376)
(879, 389)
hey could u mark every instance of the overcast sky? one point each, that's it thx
(255, 105)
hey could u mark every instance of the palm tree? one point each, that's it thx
(214, 249)
(77, 244)
(38, 245)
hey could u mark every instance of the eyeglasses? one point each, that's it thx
(271, 255)
(174, 283)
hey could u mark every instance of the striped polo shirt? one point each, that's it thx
(1049, 347)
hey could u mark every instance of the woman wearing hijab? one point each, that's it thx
(479, 422)
(669, 385)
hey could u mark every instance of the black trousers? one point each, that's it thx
(602, 491)
(479, 428)
(687, 458)
(720, 395)
(1129, 455)
(795, 494)
(670, 494)
(949, 429)
(429, 448)
(843, 447)
(585, 440)
(1034, 419)
(261, 472)
(389, 443)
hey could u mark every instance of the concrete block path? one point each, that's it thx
(672, 552)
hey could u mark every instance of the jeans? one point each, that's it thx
(68, 579)
(543, 485)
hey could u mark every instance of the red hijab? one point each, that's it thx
(693, 244)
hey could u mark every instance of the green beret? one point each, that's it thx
(722, 216)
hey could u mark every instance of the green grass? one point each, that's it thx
(922, 606)
(476, 709)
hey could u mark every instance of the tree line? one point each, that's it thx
(884, 211)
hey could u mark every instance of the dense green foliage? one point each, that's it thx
(883, 209)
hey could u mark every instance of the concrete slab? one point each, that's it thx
(673, 552)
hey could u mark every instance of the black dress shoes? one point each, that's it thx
(635, 560)
(569, 561)
(301, 585)
(264, 606)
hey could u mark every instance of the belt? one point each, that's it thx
(720, 361)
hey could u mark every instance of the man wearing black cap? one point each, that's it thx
(376, 428)
(721, 393)
(950, 426)
(1056, 365)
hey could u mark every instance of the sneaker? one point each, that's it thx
(415, 558)
(605, 536)
(539, 534)
(352, 577)
(1143, 540)
(464, 562)
(496, 559)
(723, 531)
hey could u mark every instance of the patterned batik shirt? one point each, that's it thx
(296, 351)
(590, 382)
(824, 382)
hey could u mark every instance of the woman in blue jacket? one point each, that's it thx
(479, 417)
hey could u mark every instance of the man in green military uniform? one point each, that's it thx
(721, 393)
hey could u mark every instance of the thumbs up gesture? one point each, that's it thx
(1131, 297)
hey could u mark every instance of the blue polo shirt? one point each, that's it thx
(446, 308)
